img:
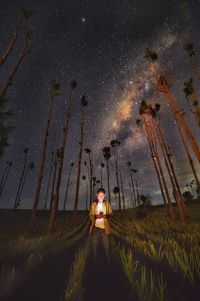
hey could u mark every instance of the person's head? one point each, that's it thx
(101, 194)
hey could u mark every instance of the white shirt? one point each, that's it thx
(99, 221)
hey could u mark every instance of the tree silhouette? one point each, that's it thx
(192, 99)
(5, 127)
(156, 161)
(21, 177)
(68, 183)
(84, 102)
(114, 144)
(150, 118)
(86, 192)
(191, 53)
(47, 190)
(4, 177)
(54, 92)
(67, 116)
(102, 167)
(107, 155)
(90, 171)
(132, 183)
(115, 192)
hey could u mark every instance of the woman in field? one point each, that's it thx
(100, 229)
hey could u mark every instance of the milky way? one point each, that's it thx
(101, 44)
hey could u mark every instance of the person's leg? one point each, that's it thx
(106, 244)
(95, 241)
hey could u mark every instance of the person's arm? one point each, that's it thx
(109, 211)
(91, 213)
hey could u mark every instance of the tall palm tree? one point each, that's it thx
(102, 167)
(55, 159)
(22, 176)
(115, 192)
(137, 191)
(54, 208)
(156, 160)
(30, 167)
(131, 194)
(86, 192)
(25, 14)
(122, 189)
(190, 49)
(168, 162)
(114, 144)
(5, 176)
(98, 182)
(24, 51)
(68, 183)
(132, 183)
(4, 56)
(54, 91)
(84, 102)
(94, 179)
(90, 171)
(154, 127)
(188, 155)
(192, 99)
(163, 85)
(5, 128)
(47, 190)
(107, 155)
(153, 155)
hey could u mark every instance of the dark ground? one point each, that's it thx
(49, 279)
(104, 280)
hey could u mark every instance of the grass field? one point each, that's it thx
(152, 257)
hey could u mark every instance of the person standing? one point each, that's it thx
(100, 229)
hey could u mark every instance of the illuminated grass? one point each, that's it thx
(144, 283)
(75, 290)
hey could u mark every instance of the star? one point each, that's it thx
(83, 19)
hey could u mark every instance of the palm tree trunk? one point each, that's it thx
(47, 191)
(117, 178)
(122, 189)
(66, 192)
(79, 169)
(41, 169)
(153, 155)
(20, 182)
(137, 192)
(14, 70)
(188, 133)
(86, 196)
(91, 174)
(153, 146)
(108, 180)
(4, 56)
(190, 160)
(101, 178)
(131, 193)
(195, 68)
(4, 178)
(133, 186)
(171, 171)
(53, 184)
(60, 166)
(23, 183)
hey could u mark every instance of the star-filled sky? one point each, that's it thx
(100, 44)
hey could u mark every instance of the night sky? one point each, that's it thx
(100, 44)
